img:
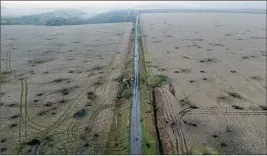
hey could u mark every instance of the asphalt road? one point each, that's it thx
(135, 130)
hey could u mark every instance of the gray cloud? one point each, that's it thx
(131, 4)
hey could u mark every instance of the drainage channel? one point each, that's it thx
(135, 130)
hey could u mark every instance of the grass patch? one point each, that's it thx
(147, 83)
(158, 80)
(125, 89)
(36, 62)
(119, 136)
(43, 113)
(4, 76)
(148, 142)
(206, 151)
(127, 93)
(49, 145)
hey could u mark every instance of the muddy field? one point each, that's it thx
(59, 87)
(215, 68)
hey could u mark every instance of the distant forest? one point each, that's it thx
(72, 17)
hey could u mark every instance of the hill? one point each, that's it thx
(70, 17)
(40, 19)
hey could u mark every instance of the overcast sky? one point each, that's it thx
(131, 4)
(62, 4)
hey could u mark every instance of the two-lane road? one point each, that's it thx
(135, 131)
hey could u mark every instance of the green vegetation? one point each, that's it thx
(118, 140)
(35, 62)
(158, 80)
(4, 76)
(149, 144)
(149, 137)
(149, 134)
(125, 89)
(127, 94)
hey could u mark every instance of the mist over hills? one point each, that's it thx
(70, 17)
(113, 13)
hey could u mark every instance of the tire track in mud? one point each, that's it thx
(20, 110)
(98, 104)
(24, 103)
(23, 94)
(176, 125)
(70, 138)
(71, 131)
(217, 112)
(8, 57)
(66, 114)
(259, 86)
(220, 76)
(26, 106)
(109, 87)
(102, 88)
(226, 114)
(229, 115)
(220, 111)
(236, 124)
(74, 129)
(169, 124)
(95, 121)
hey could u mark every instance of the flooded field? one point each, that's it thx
(59, 88)
(215, 64)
